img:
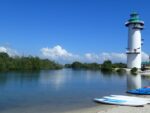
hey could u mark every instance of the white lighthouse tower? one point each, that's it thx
(135, 25)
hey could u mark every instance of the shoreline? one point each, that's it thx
(102, 108)
(106, 108)
(96, 109)
(45, 109)
(113, 109)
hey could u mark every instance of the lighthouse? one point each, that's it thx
(135, 25)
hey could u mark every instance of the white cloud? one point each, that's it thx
(115, 57)
(3, 49)
(91, 57)
(9, 51)
(59, 54)
(57, 51)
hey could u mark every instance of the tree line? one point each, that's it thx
(8, 63)
(105, 66)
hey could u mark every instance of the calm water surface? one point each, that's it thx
(61, 90)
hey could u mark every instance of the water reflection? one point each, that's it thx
(18, 77)
(134, 81)
(56, 78)
(3, 78)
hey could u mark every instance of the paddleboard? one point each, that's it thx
(141, 91)
(120, 102)
(127, 99)
(124, 96)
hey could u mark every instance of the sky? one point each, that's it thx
(70, 30)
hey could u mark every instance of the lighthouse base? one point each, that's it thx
(134, 60)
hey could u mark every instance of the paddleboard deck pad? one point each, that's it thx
(129, 99)
(122, 102)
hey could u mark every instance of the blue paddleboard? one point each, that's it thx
(141, 91)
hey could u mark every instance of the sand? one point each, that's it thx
(92, 109)
(125, 109)
(116, 109)
(97, 109)
(46, 110)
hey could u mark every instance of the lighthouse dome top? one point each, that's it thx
(134, 19)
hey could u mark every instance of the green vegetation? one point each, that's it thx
(121, 71)
(119, 65)
(107, 66)
(134, 71)
(79, 65)
(25, 63)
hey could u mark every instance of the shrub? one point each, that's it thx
(121, 71)
(107, 66)
(134, 70)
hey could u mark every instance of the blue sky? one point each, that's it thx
(77, 26)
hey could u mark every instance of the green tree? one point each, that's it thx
(119, 65)
(121, 71)
(77, 65)
(134, 71)
(107, 66)
(25, 63)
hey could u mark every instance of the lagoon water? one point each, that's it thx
(56, 91)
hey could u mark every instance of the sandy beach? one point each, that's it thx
(125, 109)
(47, 109)
(97, 109)
(115, 109)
